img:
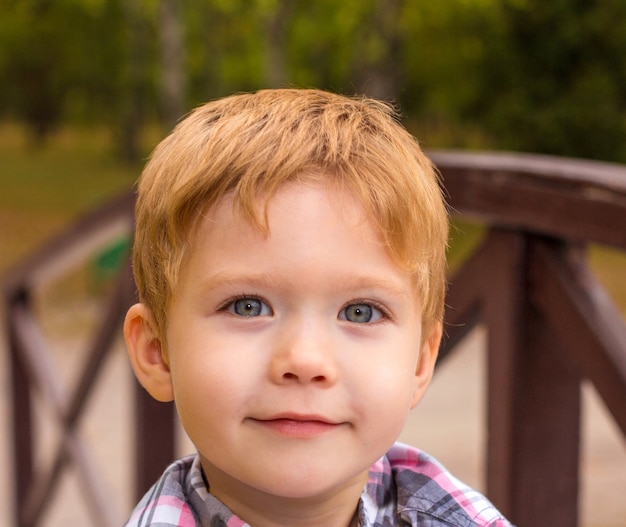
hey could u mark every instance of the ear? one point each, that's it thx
(426, 362)
(146, 354)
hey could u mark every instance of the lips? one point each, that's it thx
(297, 425)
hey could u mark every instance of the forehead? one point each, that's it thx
(294, 207)
(303, 221)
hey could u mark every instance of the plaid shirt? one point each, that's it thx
(405, 488)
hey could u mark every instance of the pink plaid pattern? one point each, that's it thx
(406, 487)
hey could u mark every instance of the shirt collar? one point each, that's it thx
(376, 503)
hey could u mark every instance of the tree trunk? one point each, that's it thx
(173, 83)
(379, 77)
(132, 106)
(275, 24)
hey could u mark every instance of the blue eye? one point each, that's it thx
(360, 313)
(249, 307)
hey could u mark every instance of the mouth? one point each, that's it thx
(298, 425)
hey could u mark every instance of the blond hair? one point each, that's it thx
(252, 144)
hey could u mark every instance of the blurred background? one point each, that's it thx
(90, 86)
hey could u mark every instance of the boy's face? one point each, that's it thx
(294, 357)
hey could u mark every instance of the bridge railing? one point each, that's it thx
(550, 324)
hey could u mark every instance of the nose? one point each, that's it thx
(304, 354)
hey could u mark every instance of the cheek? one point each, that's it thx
(384, 408)
(384, 381)
(205, 376)
(206, 400)
(210, 372)
(194, 387)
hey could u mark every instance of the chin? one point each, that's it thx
(312, 486)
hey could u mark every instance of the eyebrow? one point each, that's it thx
(351, 282)
(247, 280)
(356, 282)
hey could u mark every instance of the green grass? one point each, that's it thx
(43, 189)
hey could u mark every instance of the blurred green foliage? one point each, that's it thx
(557, 78)
(527, 75)
(43, 190)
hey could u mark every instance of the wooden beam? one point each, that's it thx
(464, 298)
(155, 444)
(21, 419)
(563, 198)
(586, 320)
(533, 400)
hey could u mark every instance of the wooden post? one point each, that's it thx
(154, 439)
(534, 401)
(22, 420)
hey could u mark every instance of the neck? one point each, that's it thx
(336, 508)
(299, 515)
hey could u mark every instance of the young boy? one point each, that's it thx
(290, 257)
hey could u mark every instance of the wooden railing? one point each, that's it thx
(34, 374)
(549, 322)
(549, 325)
